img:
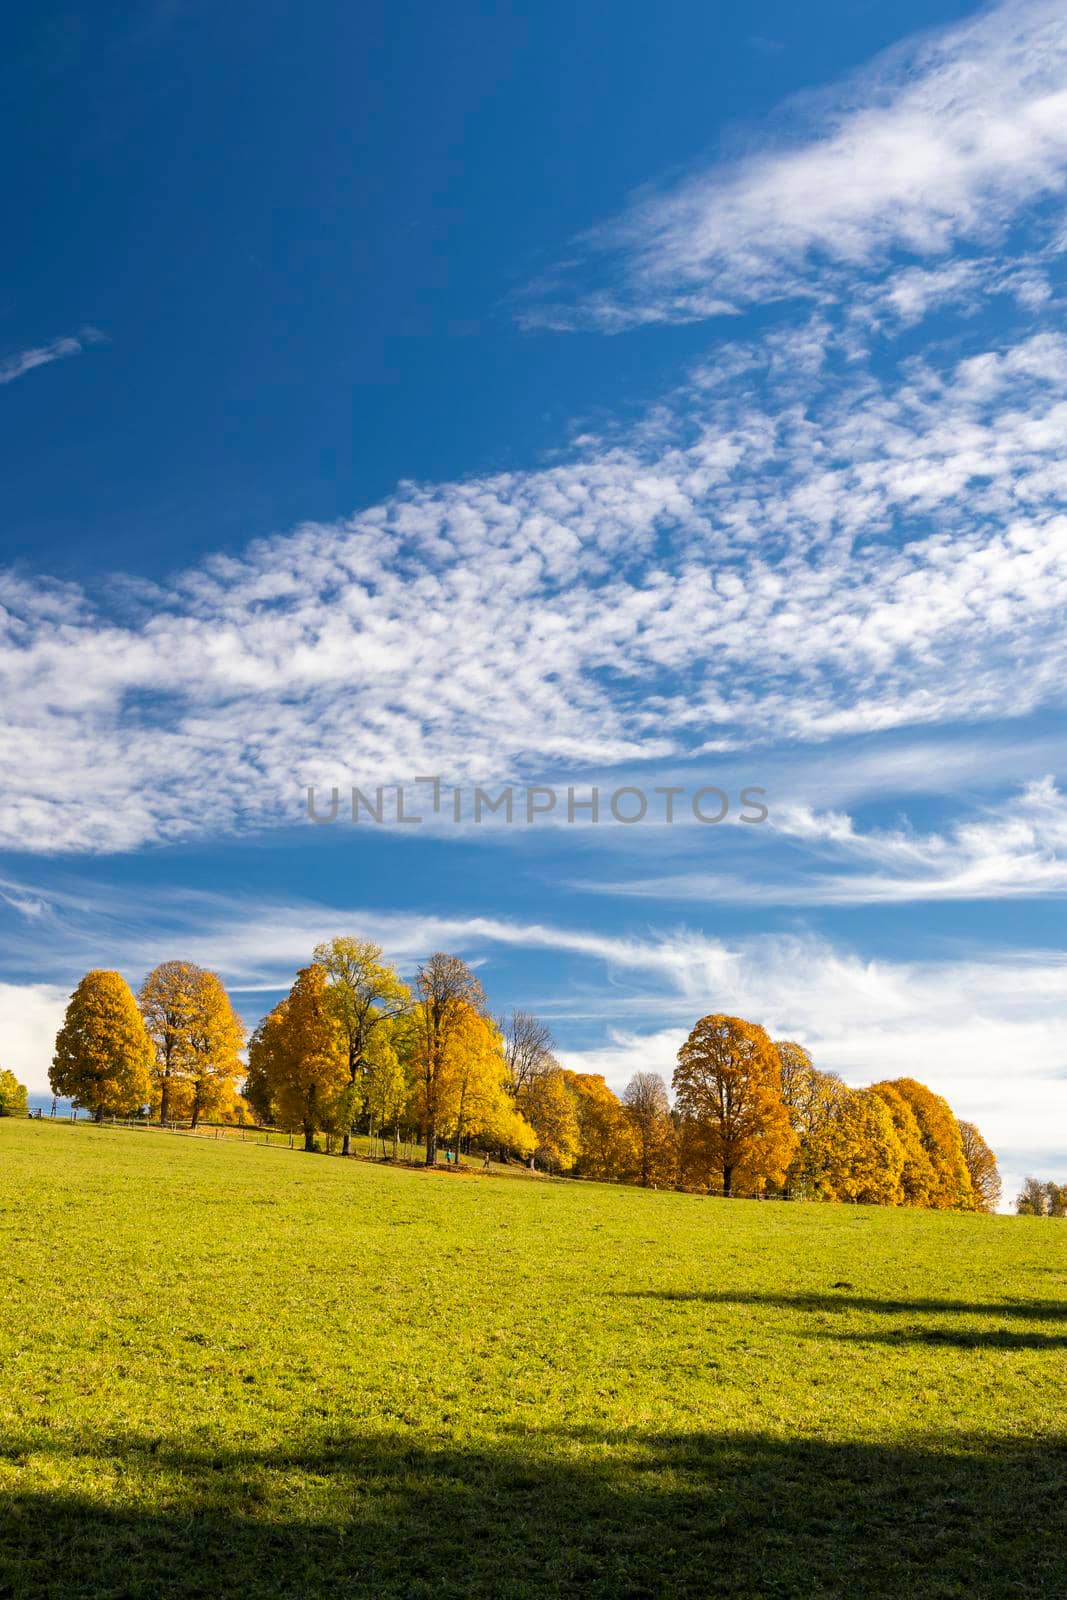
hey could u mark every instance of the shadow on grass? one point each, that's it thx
(568, 1514)
(1024, 1310)
(957, 1338)
(928, 1333)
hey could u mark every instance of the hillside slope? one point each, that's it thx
(230, 1370)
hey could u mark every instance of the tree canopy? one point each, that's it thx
(103, 1055)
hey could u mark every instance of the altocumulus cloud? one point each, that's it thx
(790, 547)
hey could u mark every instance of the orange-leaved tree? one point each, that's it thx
(940, 1134)
(103, 1055)
(607, 1145)
(728, 1089)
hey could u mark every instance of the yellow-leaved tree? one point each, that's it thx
(447, 991)
(197, 1037)
(473, 1094)
(811, 1099)
(367, 997)
(917, 1182)
(216, 1039)
(856, 1153)
(298, 1060)
(103, 1055)
(14, 1099)
(386, 1087)
(728, 1089)
(552, 1112)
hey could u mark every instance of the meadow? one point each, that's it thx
(235, 1370)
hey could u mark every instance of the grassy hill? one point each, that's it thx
(230, 1370)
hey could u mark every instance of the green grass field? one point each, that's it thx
(230, 1370)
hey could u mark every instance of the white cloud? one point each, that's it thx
(23, 361)
(30, 1017)
(941, 144)
(741, 569)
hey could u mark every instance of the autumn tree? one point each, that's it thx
(216, 1038)
(549, 1107)
(473, 1092)
(856, 1154)
(166, 999)
(607, 1144)
(298, 1060)
(940, 1134)
(14, 1100)
(812, 1099)
(367, 997)
(982, 1168)
(103, 1055)
(264, 1062)
(649, 1109)
(386, 1087)
(446, 989)
(727, 1087)
(796, 1070)
(917, 1180)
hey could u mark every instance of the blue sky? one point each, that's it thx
(549, 396)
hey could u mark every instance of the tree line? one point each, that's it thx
(353, 1049)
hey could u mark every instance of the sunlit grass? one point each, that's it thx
(231, 1369)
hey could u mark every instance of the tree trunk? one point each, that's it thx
(431, 1147)
(164, 1102)
(309, 1138)
(346, 1143)
(98, 1114)
(727, 1181)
